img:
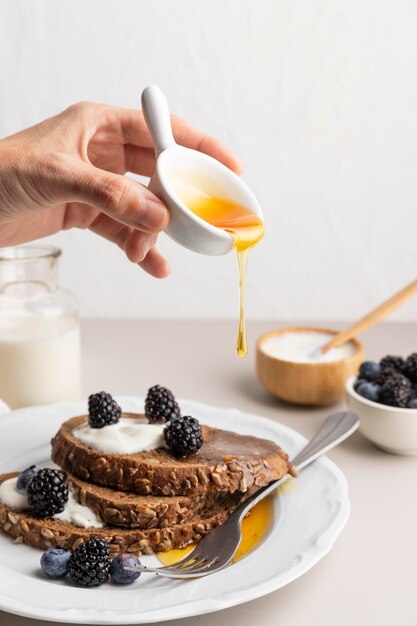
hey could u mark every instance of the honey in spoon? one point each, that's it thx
(246, 229)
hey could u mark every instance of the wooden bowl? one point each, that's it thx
(311, 384)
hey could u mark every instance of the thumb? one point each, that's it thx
(122, 198)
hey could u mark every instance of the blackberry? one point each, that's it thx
(369, 370)
(410, 368)
(183, 435)
(47, 492)
(160, 405)
(396, 392)
(387, 374)
(392, 362)
(89, 564)
(102, 410)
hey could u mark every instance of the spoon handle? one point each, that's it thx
(375, 316)
(157, 118)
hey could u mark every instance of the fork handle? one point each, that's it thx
(335, 429)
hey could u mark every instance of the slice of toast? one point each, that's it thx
(121, 508)
(227, 461)
(50, 532)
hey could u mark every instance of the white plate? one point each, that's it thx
(307, 521)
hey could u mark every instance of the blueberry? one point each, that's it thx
(412, 404)
(370, 391)
(358, 382)
(55, 561)
(369, 370)
(119, 574)
(25, 477)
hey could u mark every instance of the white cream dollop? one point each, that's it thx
(303, 347)
(11, 497)
(74, 513)
(126, 437)
(78, 514)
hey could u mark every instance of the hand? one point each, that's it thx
(68, 171)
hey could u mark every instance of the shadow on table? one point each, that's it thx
(248, 386)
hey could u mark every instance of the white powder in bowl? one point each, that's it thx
(303, 347)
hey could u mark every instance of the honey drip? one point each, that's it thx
(242, 342)
(246, 229)
(254, 527)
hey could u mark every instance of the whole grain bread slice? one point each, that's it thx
(48, 533)
(227, 461)
(121, 508)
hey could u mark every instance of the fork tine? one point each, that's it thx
(175, 567)
(200, 566)
(194, 566)
(212, 562)
(192, 556)
(208, 567)
(203, 567)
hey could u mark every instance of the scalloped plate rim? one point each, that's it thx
(227, 599)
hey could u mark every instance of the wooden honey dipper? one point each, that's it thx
(372, 318)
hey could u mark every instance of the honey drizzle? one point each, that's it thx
(246, 229)
(242, 342)
(254, 527)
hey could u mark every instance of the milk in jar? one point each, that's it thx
(40, 360)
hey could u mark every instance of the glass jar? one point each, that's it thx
(40, 356)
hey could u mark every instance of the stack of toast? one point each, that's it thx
(150, 501)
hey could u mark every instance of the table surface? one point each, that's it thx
(370, 575)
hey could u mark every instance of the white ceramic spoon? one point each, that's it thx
(181, 169)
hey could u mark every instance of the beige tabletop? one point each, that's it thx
(370, 576)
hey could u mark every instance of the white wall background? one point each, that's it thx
(319, 99)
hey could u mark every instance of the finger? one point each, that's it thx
(155, 264)
(191, 137)
(131, 241)
(134, 243)
(138, 244)
(142, 160)
(110, 229)
(139, 160)
(134, 131)
(119, 197)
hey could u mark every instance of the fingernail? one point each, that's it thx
(152, 215)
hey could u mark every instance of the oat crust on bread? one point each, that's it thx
(48, 533)
(227, 462)
(131, 510)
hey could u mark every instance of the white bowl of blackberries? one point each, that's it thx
(384, 395)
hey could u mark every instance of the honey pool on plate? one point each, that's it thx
(246, 229)
(254, 527)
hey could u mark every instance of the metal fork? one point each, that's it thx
(218, 548)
